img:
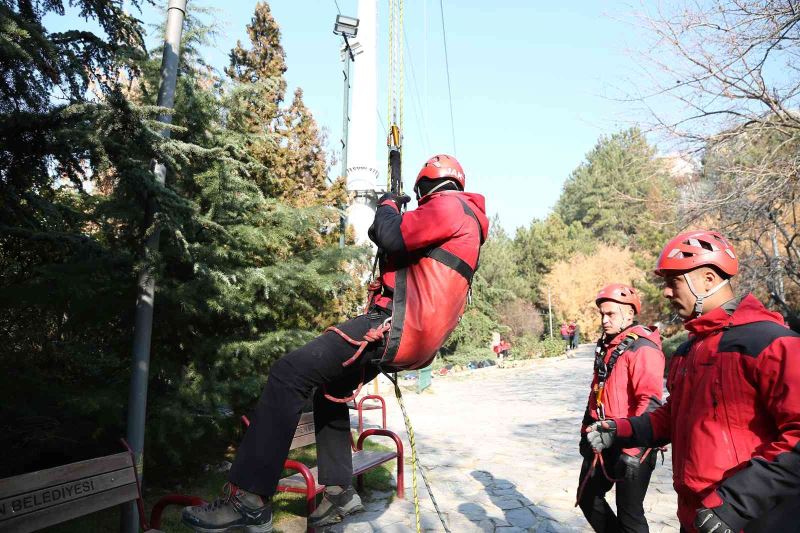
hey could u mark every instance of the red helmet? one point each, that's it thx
(693, 249)
(441, 166)
(623, 294)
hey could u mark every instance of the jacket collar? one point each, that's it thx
(748, 310)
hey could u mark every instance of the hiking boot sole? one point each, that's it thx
(337, 516)
(263, 528)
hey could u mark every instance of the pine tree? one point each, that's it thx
(301, 168)
(241, 277)
(621, 193)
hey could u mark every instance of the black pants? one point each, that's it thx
(630, 496)
(292, 380)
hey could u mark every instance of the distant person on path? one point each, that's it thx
(576, 336)
(572, 329)
(627, 381)
(501, 349)
(733, 413)
(447, 219)
(565, 334)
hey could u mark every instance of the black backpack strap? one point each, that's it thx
(468, 210)
(453, 261)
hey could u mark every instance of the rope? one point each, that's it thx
(590, 473)
(415, 462)
(598, 455)
(396, 77)
(372, 335)
(447, 68)
(401, 87)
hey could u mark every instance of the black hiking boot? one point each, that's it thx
(235, 510)
(337, 502)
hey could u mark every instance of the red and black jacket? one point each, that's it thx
(733, 415)
(636, 382)
(444, 219)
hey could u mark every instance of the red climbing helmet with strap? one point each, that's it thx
(623, 294)
(439, 167)
(693, 249)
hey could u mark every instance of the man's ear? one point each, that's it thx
(710, 278)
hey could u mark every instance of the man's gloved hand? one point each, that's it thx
(601, 434)
(628, 467)
(399, 199)
(707, 521)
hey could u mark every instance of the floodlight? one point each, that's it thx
(346, 26)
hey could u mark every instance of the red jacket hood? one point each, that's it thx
(476, 202)
(653, 335)
(749, 310)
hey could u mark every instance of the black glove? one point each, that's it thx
(601, 434)
(628, 467)
(399, 199)
(707, 521)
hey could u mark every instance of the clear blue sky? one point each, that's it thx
(533, 85)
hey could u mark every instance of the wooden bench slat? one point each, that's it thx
(365, 459)
(62, 474)
(39, 499)
(304, 434)
(362, 461)
(67, 511)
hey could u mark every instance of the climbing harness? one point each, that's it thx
(604, 369)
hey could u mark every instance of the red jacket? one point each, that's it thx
(636, 382)
(440, 220)
(733, 415)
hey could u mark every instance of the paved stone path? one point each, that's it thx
(500, 449)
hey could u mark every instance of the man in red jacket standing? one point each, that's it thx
(628, 381)
(733, 414)
(447, 218)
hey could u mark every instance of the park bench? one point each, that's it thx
(36, 500)
(305, 481)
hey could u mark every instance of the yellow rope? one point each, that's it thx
(414, 463)
(401, 81)
(396, 79)
(390, 91)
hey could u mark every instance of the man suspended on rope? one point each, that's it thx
(444, 232)
(628, 377)
(733, 413)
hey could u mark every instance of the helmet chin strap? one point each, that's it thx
(623, 326)
(434, 189)
(698, 303)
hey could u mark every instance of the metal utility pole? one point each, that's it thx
(550, 311)
(137, 399)
(346, 27)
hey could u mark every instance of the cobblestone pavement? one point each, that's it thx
(500, 449)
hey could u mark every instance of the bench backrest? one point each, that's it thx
(39, 499)
(304, 434)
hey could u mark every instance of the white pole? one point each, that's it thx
(362, 171)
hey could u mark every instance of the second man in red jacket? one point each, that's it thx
(628, 381)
